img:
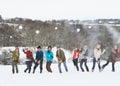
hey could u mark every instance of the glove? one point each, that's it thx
(38, 62)
(23, 50)
(60, 61)
(51, 56)
(96, 60)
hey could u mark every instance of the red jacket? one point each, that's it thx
(28, 54)
(75, 54)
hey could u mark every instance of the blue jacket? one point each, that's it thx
(39, 55)
(49, 56)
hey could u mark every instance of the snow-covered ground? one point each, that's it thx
(71, 78)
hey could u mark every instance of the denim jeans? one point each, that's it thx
(94, 63)
(85, 63)
(65, 66)
(75, 62)
(113, 65)
(28, 64)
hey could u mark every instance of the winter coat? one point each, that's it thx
(97, 53)
(39, 56)
(76, 54)
(114, 56)
(84, 53)
(15, 56)
(60, 55)
(29, 55)
(49, 56)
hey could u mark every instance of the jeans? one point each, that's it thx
(29, 64)
(75, 62)
(113, 65)
(94, 63)
(65, 66)
(85, 63)
(36, 65)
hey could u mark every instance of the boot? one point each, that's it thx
(92, 70)
(13, 71)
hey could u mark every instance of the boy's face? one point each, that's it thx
(38, 49)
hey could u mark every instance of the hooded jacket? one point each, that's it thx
(49, 56)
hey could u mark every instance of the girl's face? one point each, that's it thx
(49, 49)
(85, 46)
(98, 46)
(76, 49)
(17, 50)
(31, 49)
(115, 47)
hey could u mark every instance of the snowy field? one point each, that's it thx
(71, 78)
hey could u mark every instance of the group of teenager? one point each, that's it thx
(79, 56)
(83, 53)
(38, 61)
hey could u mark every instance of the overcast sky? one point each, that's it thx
(60, 9)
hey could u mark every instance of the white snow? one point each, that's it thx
(78, 29)
(71, 78)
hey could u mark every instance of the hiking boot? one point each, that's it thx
(25, 71)
(34, 71)
(92, 70)
(100, 70)
(13, 71)
(40, 71)
(113, 70)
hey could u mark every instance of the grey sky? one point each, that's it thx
(60, 9)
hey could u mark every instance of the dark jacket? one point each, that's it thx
(113, 57)
(60, 55)
(85, 52)
(39, 55)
